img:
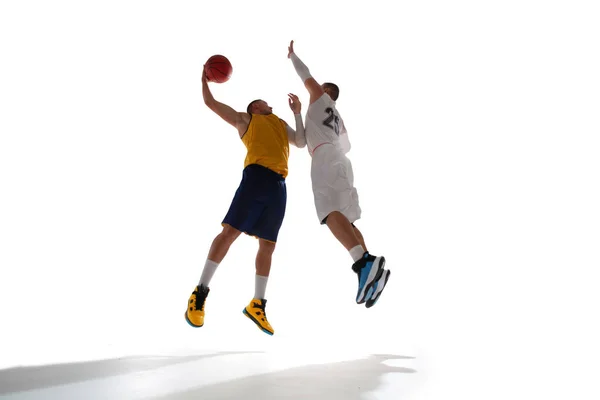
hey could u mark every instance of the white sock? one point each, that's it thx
(357, 252)
(207, 273)
(260, 286)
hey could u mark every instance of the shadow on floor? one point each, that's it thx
(20, 379)
(346, 380)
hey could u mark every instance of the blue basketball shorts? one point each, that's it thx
(258, 206)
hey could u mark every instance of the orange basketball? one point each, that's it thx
(218, 69)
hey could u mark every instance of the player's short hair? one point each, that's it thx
(250, 105)
(335, 90)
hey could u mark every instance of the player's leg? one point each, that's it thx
(343, 231)
(353, 211)
(220, 246)
(368, 268)
(242, 213)
(264, 255)
(347, 234)
(255, 310)
(336, 201)
(380, 284)
(266, 229)
(217, 252)
(360, 237)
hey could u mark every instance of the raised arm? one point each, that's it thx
(296, 137)
(314, 89)
(239, 120)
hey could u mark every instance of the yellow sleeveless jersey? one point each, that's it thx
(267, 143)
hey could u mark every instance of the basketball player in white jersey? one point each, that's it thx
(336, 198)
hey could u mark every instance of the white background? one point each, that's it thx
(474, 128)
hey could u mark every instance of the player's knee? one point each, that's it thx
(266, 247)
(229, 234)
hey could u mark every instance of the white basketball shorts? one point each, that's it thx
(333, 184)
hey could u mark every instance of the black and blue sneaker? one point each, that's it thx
(369, 269)
(378, 288)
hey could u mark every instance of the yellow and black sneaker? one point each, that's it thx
(194, 314)
(256, 312)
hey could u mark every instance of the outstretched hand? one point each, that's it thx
(290, 49)
(294, 102)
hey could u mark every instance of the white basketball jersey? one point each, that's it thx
(325, 125)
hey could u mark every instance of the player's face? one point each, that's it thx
(263, 108)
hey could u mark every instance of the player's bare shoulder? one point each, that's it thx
(243, 123)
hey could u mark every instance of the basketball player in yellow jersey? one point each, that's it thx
(258, 207)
